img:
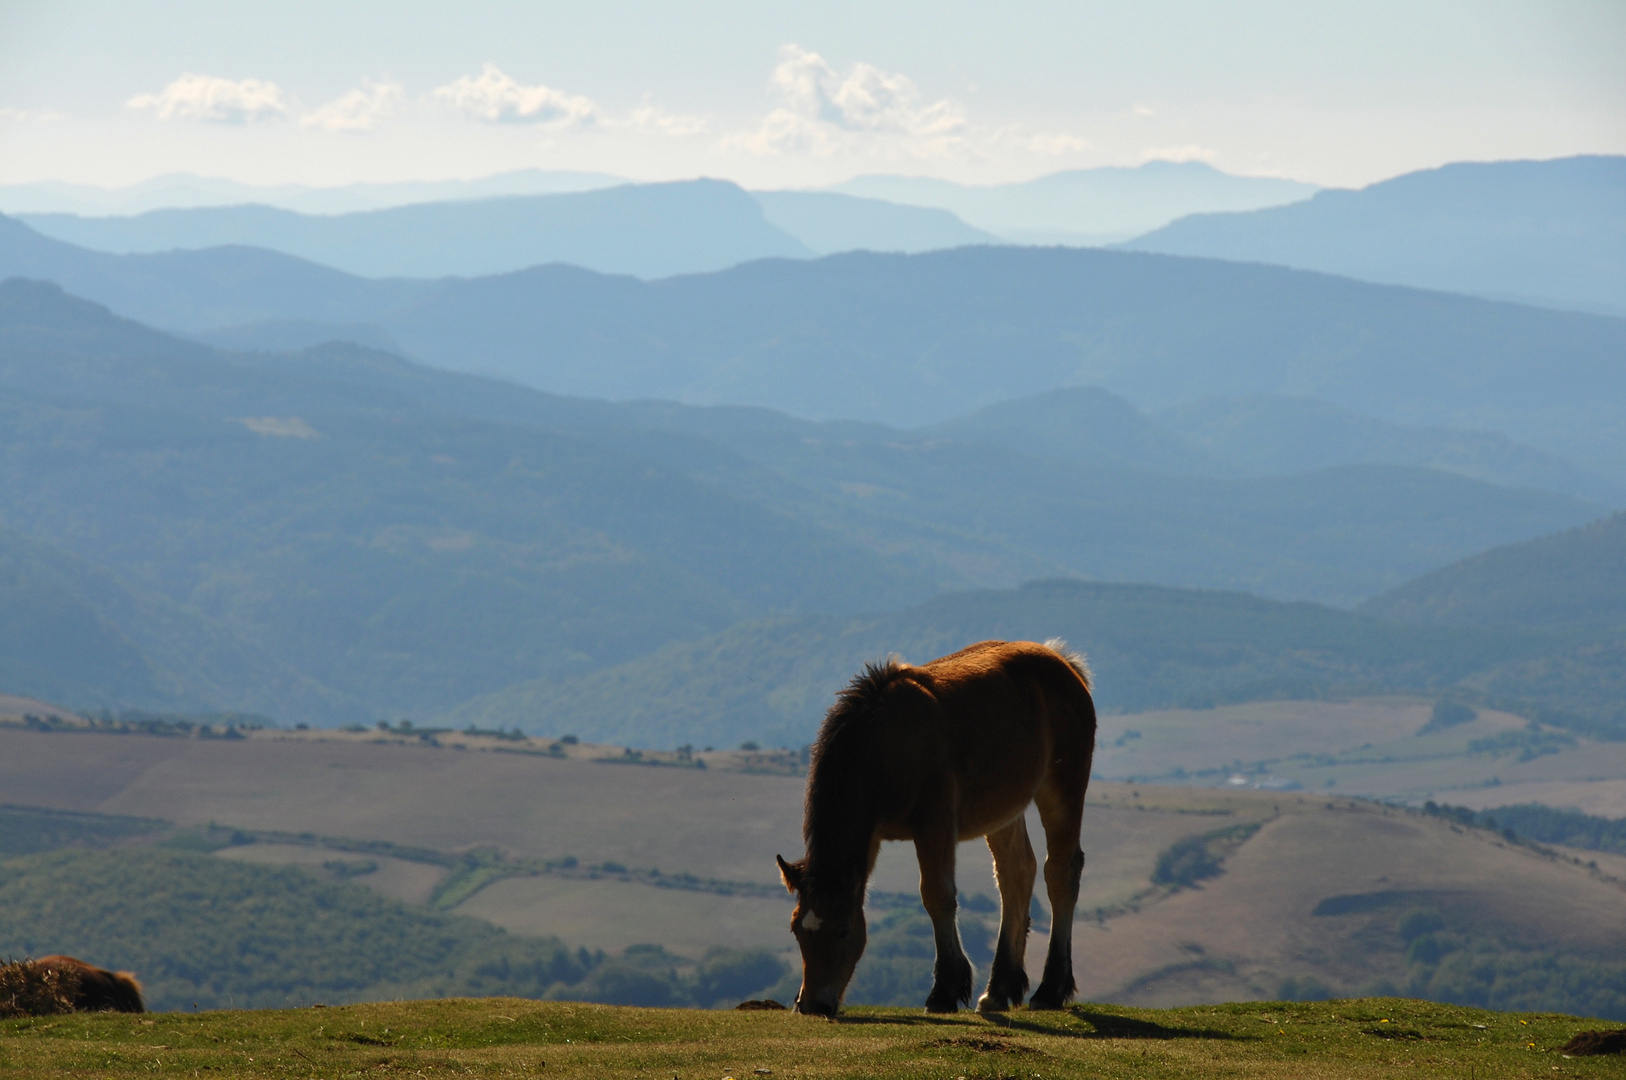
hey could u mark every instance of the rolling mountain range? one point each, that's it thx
(1576, 578)
(648, 230)
(1150, 647)
(1083, 205)
(1544, 232)
(912, 339)
(1279, 435)
(355, 536)
(1087, 206)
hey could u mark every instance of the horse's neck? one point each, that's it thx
(842, 817)
(842, 854)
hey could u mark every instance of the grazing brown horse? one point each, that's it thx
(98, 990)
(937, 754)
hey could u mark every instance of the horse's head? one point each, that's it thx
(831, 931)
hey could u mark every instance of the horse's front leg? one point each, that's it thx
(951, 974)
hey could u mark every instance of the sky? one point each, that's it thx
(798, 94)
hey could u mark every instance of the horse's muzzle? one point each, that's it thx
(816, 1008)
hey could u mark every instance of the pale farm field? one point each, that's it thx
(1236, 936)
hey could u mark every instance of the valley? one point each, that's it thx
(1305, 886)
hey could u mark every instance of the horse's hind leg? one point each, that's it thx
(1014, 870)
(951, 974)
(1061, 809)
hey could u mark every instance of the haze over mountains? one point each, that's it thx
(1544, 232)
(648, 230)
(913, 339)
(1078, 206)
(185, 190)
(706, 473)
(357, 536)
(1087, 206)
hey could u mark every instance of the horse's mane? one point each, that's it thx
(840, 814)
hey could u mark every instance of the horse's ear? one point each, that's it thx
(790, 874)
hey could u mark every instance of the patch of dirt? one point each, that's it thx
(365, 1040)
(760, 1005)
(983, 1044)
(1596, 1042)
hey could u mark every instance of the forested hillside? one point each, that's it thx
(1549, 232)
(910, 339)
(1575, 578)
(1150, 648)
(339, 533)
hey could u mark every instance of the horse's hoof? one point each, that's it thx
(945, 1004)
(1046, 1000)
(989, 1004)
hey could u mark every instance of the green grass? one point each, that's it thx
(500, 1037)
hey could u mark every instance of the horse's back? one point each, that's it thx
(98, 989)
(1003, 683)
(1003, 716)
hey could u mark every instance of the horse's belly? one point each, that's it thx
(983, 812)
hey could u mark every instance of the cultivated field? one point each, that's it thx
(1314, 892)
(499, 1037)
(1368, 747)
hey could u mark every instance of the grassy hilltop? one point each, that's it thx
(503, 1037)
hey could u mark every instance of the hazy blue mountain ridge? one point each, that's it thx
(1544, 232)
(202, 290)
(1331, 535)
(649, 230)
(1083, 424)
(911, 339)
(75, 632)
(1279, 435)
(1150, 647)
(1573, 578)
(413, 538)
(386, 547)
(827, 222)
(1086, 206)
(915, 339)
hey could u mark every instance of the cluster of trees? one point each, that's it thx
(214, 933)
(1448, 960)
(1543, 824)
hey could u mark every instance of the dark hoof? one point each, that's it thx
(990, 1003)
(1045, 998)
(951, 988)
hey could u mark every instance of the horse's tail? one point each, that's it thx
(1075, 660)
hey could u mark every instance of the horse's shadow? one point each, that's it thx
(1106, 1026)
(927, 1019)
(1102, 1025)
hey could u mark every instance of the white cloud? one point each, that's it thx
(823, 111)
(31, 116)
(208, 97)
(1055, 144)
(362, 109)
(496, 97)
(656, 121)
(1190, 152)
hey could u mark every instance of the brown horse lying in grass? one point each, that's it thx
(94, 989)
(937, 754)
